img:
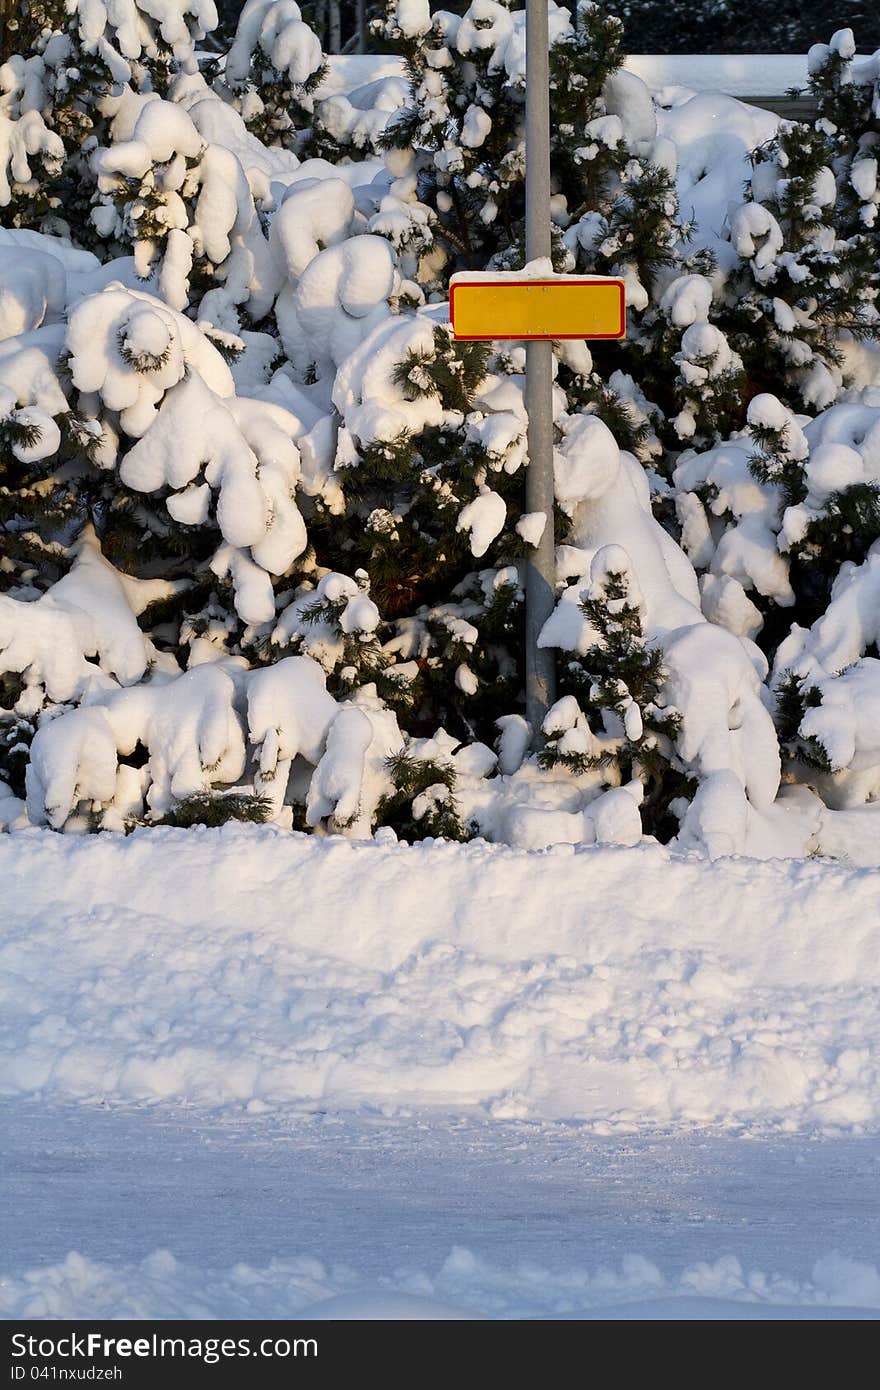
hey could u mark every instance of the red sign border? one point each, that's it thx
(539, 337)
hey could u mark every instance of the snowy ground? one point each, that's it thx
(516, 1084)
(264, 1217)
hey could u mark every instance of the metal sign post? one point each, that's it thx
(538, 311)
(541, 561)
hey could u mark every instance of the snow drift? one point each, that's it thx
(463, 1285)
(251, 967)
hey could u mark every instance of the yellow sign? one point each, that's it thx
(510, 308)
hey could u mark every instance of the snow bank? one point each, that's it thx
(736, 74)
(461, 1286)
(623, 987)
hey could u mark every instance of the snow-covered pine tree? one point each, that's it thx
(832, 499)
(71, 59)
(43, 493)
(809, 257)
(46, 453)
(847, 94)
(430, 486)
(184, 206)
(464, 120)
(187, 547)
(783, 522)
(615, 723)
(812, 278)
(806, 283)
(422, 801)
(615, 208)
(101, 150)
(148, 445)
(827, 684)
(272, 71)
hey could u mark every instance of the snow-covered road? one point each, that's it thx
(267, 1216)
(247, 1074)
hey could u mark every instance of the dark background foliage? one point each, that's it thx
(675, 26)
(652, 26)
(743, 26)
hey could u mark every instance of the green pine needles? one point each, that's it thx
(423, 802)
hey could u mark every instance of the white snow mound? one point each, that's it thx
(622, 987)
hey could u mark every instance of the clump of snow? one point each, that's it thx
(461, 1284)
(32, 286)
(302, 621)
(80, 634)
(686, 300)
(372, 402)
(241, 455)
(284, 39)
(23, 143)
(129, 349)
(315, 214)
(188, 726)
(343, 293)
(359, 117)
(121, 34)
(289, 713)
(531, 527)
(162, 151)
(746, 549)
(628, 98)
(483, 519)
(587, 460)
(708, 138)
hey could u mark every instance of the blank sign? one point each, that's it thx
(567, 307)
